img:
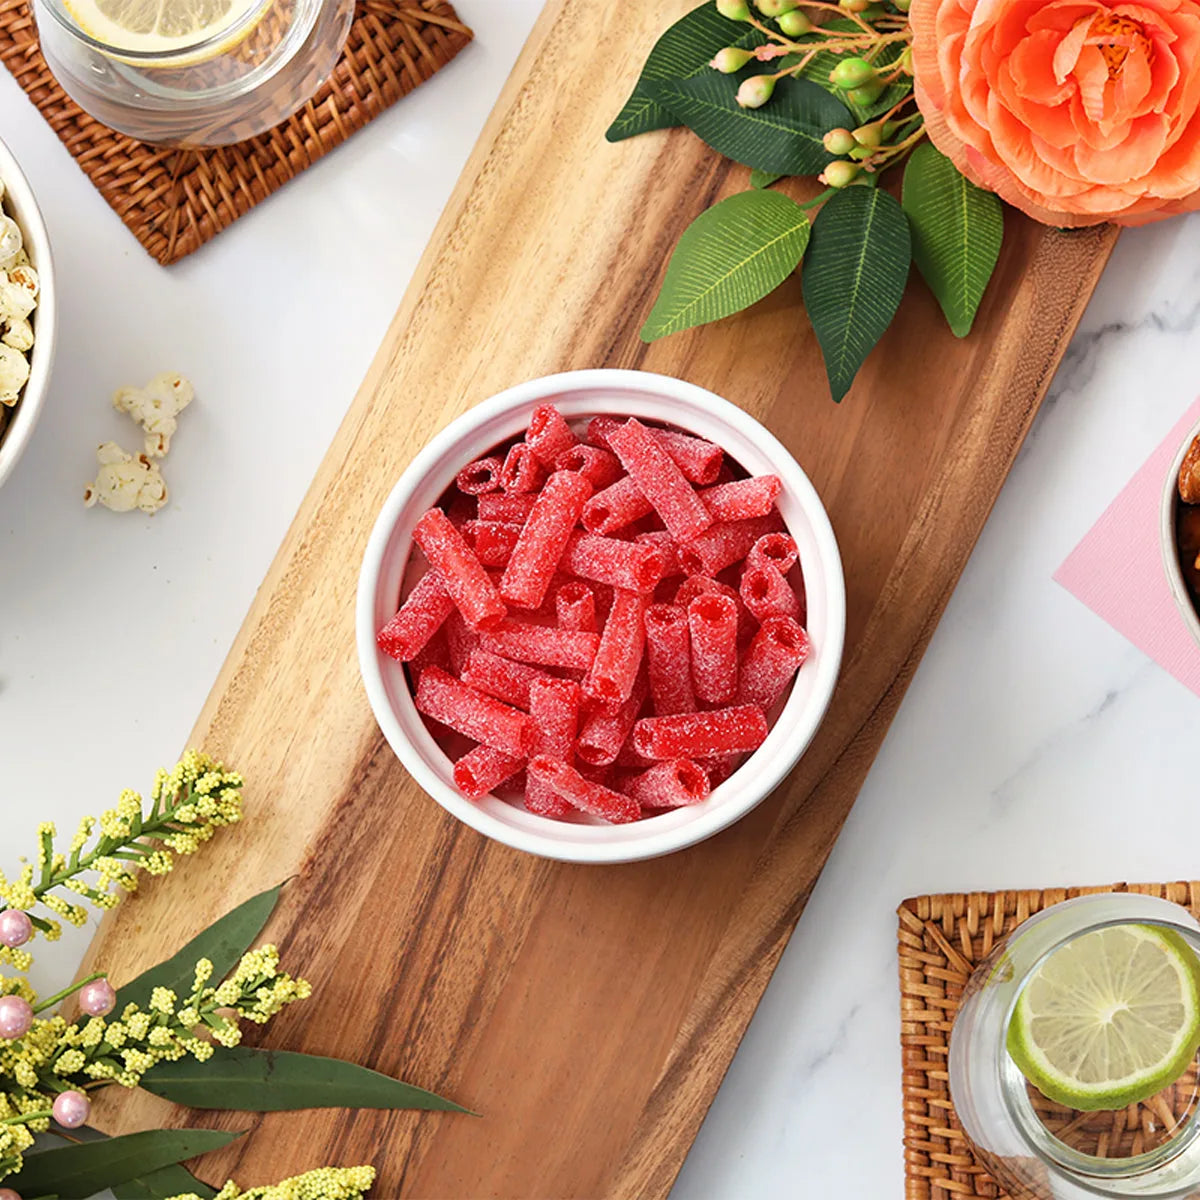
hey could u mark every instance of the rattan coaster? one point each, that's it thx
(173, 201)
(941, 939)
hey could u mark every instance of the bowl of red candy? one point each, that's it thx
(601, 616)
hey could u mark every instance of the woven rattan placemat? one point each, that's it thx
(941, 939)
(173, 201)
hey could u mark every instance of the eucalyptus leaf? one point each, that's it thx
(783, 137)
(251, 1080)
(163, 1184)
(224, 942)
(762, 179)
(854, 276)
(77, 1172)
(683, 50)
(957, 231)
(730, 256)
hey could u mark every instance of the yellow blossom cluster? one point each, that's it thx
(329, 1183)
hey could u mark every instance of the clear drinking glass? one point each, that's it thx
(1033, 1146)
(224, 88)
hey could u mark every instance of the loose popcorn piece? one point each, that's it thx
(18, 334)
(156, 408)
(124, 482)
(14, 371)
(11, 242)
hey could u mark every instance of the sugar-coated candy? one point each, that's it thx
(596, 774)
(461, 639)
(548, 434)
(506, 506)
(700, 461)
(522, 471)
(766, 593)
(779, 549)
(661, 481)
(582, 793)
(702, 585)
(617, 506)
(598, 466)
(484, 768)
(575, 607)
(777, 652)
(542, 644)
(713, 623)
(721, 767)
(492, 541)
(554, 706)
(472, 713)
(742, 498)
(634, 566)
(501, 677)
(619, 654)
(435, 652)
(543, 539)
(671, 784)
(669, 659)
(666, 543)
(483, 475)
(420, 617)
(702, 734)
(461, 573)
(724, 544)
(606, 730)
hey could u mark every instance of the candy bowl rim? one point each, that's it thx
(581, 393)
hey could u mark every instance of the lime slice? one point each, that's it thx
(1110, 1018)
(158, 26)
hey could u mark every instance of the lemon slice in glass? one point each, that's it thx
(161, 26)
(1110, 1018)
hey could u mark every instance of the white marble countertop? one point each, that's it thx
(1035, 747)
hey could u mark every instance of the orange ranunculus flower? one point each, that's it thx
(1075, 111)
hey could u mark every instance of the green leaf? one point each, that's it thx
(762, 179)
(730, 256)
(162, 1185)
(224, 942)
(957, 231)
(281, 1081)
(854, 276)
(685, 49)
(783, 137)
(76, 1172)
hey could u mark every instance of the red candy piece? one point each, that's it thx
(743, 498)
(599, 467)
(554, 706)
(778, 549)
(666, 543)
(542, 644)
(777, 652)
(767, 594)
(701, 735)
(484, 768)
(493, 541)
(420, 617)
(461, 572)
(669, 657)
(501, 677)
(605, 732)
(522, 471)
(581, 793)
(549, 435)
(505, 506)
(670, 784)
(483, 475)
(713, 622)
(634, 566)
(461, 639)
(660, 480)
(575, 607)
(472, 713)
(700, 461)
(719, 769)
(724, 544)
(543, 539)
(619, 654)
(615, 507)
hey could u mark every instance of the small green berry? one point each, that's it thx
(870, 136)
(775, 8)
(839, 141)
(795, 24)
(901, 5)
(854, 6)
(755, 91)
(865, 94)
(852, 73)
(730, 59)
(734, 10)
(861, 153)
(840, 174)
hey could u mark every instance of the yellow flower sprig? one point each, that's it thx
(329, 1183)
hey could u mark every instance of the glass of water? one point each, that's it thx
(1050, 1149)
(192, 72)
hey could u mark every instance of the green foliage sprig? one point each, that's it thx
(838, 105)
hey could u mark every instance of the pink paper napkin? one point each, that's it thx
(1117, 570)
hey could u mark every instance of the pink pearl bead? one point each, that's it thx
(97, 999)
(15, 930)
(8, 1194)
(16, 1016)
(71, 1109)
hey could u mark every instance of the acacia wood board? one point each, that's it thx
(588, 1013)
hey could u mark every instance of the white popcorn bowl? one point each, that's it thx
(1170, 546)
(21, 206)
(580, 394)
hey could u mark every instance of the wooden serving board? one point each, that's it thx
(589, 1013)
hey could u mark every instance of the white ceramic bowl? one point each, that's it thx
(21, 206)
(583, 394)
(1170, 547)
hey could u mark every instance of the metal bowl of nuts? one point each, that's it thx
(1181, 531)
(27, 312)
